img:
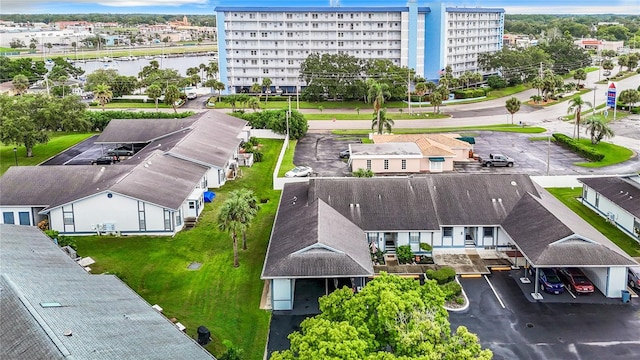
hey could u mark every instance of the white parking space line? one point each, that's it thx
(569, 291)
(494, 291)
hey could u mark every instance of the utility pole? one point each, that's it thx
(409, 90)
(548, 151)
(288, 116)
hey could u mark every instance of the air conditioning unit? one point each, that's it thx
(611, 217)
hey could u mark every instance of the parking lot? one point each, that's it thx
(321, 150)
(537, 330)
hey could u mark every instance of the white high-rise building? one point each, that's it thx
(271, 42)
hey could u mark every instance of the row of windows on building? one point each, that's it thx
(463, 15)
(298, 15)
(249, 45)
(447, 232)
(23, 218)
(291, 34)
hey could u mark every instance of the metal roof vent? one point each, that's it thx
(68, 333)
(50, 304)
(514, 183)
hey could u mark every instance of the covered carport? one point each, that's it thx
(320, 246)
(549, 236)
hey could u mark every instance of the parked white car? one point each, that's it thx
(299, 171)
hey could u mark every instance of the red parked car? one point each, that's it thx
(576, 280)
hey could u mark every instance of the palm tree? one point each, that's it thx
(630, 97)
(536, 98)
(171, 96)
(253, 103)
(575, 107)
(20, 83)
(513, 106)
(376, 94)
(436, 97)
(598, 129)
(381, 121)
(103, 94)
(266, 82)
(256, 89)
(537, 83)
(248, 212)
(230, 219)
(211, 70)
(579, 74)
(154, 92)
(421, 90)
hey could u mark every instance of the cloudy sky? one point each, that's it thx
(207, 6)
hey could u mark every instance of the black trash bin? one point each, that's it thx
(204, 336)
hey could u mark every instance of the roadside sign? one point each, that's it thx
(611, 96)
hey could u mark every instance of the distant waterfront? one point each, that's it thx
(133, 67)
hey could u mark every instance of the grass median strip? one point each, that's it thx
(501, 128)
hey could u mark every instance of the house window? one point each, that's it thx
(340, 16)
(67, 217)
(487, 232)
(585, 193)
(142, 222)
(23, 217)
(264, 34)
(192, 205)
(265, 62)
(386, 164)
(179, 217)
(368, 164)
(435, 165)
(8, 217)
(314, 16)
(597, 199)
(414, 238)
(254, 52)
(265, 71)
(404, 164)
(447, 231)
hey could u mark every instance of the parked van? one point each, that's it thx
(634, 277)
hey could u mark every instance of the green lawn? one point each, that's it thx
(613, 154)
(568, 197)
(135, 105)
(369, 116)
(287, 160)
(501, 128)
(218, 296)
(58, 141)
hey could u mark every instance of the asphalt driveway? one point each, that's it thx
(321, 152)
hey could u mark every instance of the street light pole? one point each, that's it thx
(15, 155)
(548, 151)
(595, 89)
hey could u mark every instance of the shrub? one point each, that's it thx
(100, 119)
(451, 290)
(61, 239)
(404, 254)
(253, 141)
(496, 82)
(363, 173)
(425, 247)
(443, 275)
(426, 260)
(460, 301)
(578, 147)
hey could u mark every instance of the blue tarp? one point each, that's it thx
(209, 196)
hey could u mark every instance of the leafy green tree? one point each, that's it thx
(255, 89)
(632, 61)
(537, 83)
(513, 106)
(231, 220)
(171, 96)
(103, 94)
(566, 55)
(33, 44)
(597, 128)
(276, 120)
(386, 72)
(630, 97)
(27, 120)
(154, 92)
(623, 60)
(342, 82)
(607, 65)
(382, 122)
(20, 83)
(579, 75)
(391, 318)
(575, 107)
(515, 65)
(266, 83)
(253, 103)
(536, 98)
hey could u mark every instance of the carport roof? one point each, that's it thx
(213, 141)
(386, 149)
(623, 191)
(319, 243)
(131, 131)
(550, 235)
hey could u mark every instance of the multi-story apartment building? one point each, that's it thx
(271, 42)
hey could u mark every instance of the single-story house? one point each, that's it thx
(153, 197)
(52, 308)
(210, 139)
(617, 198)
(387, 158)
(439, 151)
(7, 88)
(446, 211)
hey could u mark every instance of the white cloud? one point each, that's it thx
(578, 10)
(36, 6)
(131, 3)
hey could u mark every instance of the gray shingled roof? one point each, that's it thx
(124, 131)
(425, 202)
(623, 191)
(161, 180)
(551, 235)
(390, 148)
(213, 140)
(107, 319)
(57, 184)
(319, 243)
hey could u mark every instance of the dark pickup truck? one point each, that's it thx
(497, 160)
